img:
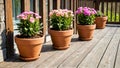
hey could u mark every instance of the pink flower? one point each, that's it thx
(18, 16)
(32, 20)
(62, 14)
(58, 14)
(22, 16)
(38, 17)
(36, 14)
(72, 15)
(51, 13)
(28, 12)
(66, 15)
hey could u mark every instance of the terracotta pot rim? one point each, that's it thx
(103, 17)
(86, 25)
(60, 31)
(28, 38)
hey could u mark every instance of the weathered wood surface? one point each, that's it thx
(101, 52)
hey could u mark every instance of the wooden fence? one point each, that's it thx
(111, 8)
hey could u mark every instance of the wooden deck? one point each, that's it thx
(101, 52)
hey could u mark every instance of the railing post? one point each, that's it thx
(35, 5)
(9, 29)
(75, 18)
(25, 5)
(42, 12)
(97, 4)
(56, 4)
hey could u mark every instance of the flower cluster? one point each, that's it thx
(61, 12)
(29, 15)
(86, 15)
(29, 25)
(61, 19)
(86, 11)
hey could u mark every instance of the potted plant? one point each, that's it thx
(30, 39)
(85, 24)
(61, 31)
(100, 20)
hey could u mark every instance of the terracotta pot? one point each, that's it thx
(29, 49)
(100, 22)
(61, 39)
(86, 31)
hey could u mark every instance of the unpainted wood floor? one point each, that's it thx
(103, 51)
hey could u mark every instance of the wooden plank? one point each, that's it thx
(119, 11)
(113, 22)
(102, 7)
(71, 5)
(25, 5)
(94, 57)
(110, 0)
(62, 55)
(35, 6)
(77, 57)
(107, 9)
(108, 59)
(75, 20)
(49, 9)
(117, 63)
(97, 3)
(77, 5)
(66, 4)
(56, 4)
(47, 57)
(111, 11)
(115, 11)
(62, 4)
(47, 52)
(9, 28)
(42, 12)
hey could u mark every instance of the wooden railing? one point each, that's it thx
(43, 7)
(111, 8)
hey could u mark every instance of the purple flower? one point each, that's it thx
(93, 11)
(86, 12)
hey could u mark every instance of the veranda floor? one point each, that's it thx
(101, 52)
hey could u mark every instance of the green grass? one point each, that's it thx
(113, 17)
